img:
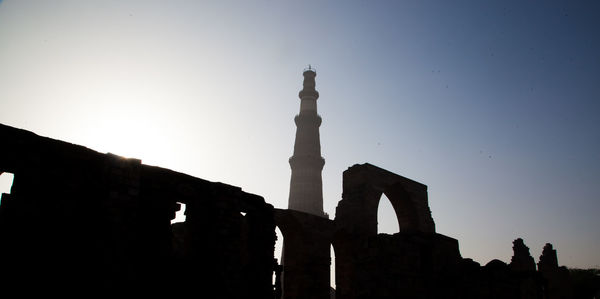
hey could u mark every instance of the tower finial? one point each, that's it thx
(309, 68)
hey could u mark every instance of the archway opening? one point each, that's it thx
(387, 220)
(332, 271)
(278, 249)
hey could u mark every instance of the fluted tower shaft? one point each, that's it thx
(306, 184)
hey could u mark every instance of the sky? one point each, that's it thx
(494, 105)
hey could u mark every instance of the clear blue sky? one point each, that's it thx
(495, 105)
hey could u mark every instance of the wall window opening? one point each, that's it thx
(6, 181)
(180, 214)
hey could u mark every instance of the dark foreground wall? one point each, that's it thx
(80, 222)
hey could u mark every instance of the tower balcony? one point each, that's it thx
(308, 93)
(308, 119)
(315, 163)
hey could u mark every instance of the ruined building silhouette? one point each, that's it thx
(82, 223)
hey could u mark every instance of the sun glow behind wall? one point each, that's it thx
(148, 81)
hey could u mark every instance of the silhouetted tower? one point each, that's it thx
(306, 185)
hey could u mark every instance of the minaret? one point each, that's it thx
(306, 185)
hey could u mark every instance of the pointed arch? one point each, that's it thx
(388, 221)
(363, 189)
(406, 212)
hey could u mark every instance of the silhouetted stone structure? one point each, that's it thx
(414, 263)
(80, 222)
(521, 259)
(307, 233)
(371, 265)
(557, 281)
(417, 262)
(548, 259)
(307, 260)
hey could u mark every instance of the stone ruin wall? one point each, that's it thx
(417, 262)
(77, 221)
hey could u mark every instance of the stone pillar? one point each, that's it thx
(548, 260)
(557, 280)
(306, 254)
(521, 259)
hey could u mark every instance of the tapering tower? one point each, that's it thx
(306, 185)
